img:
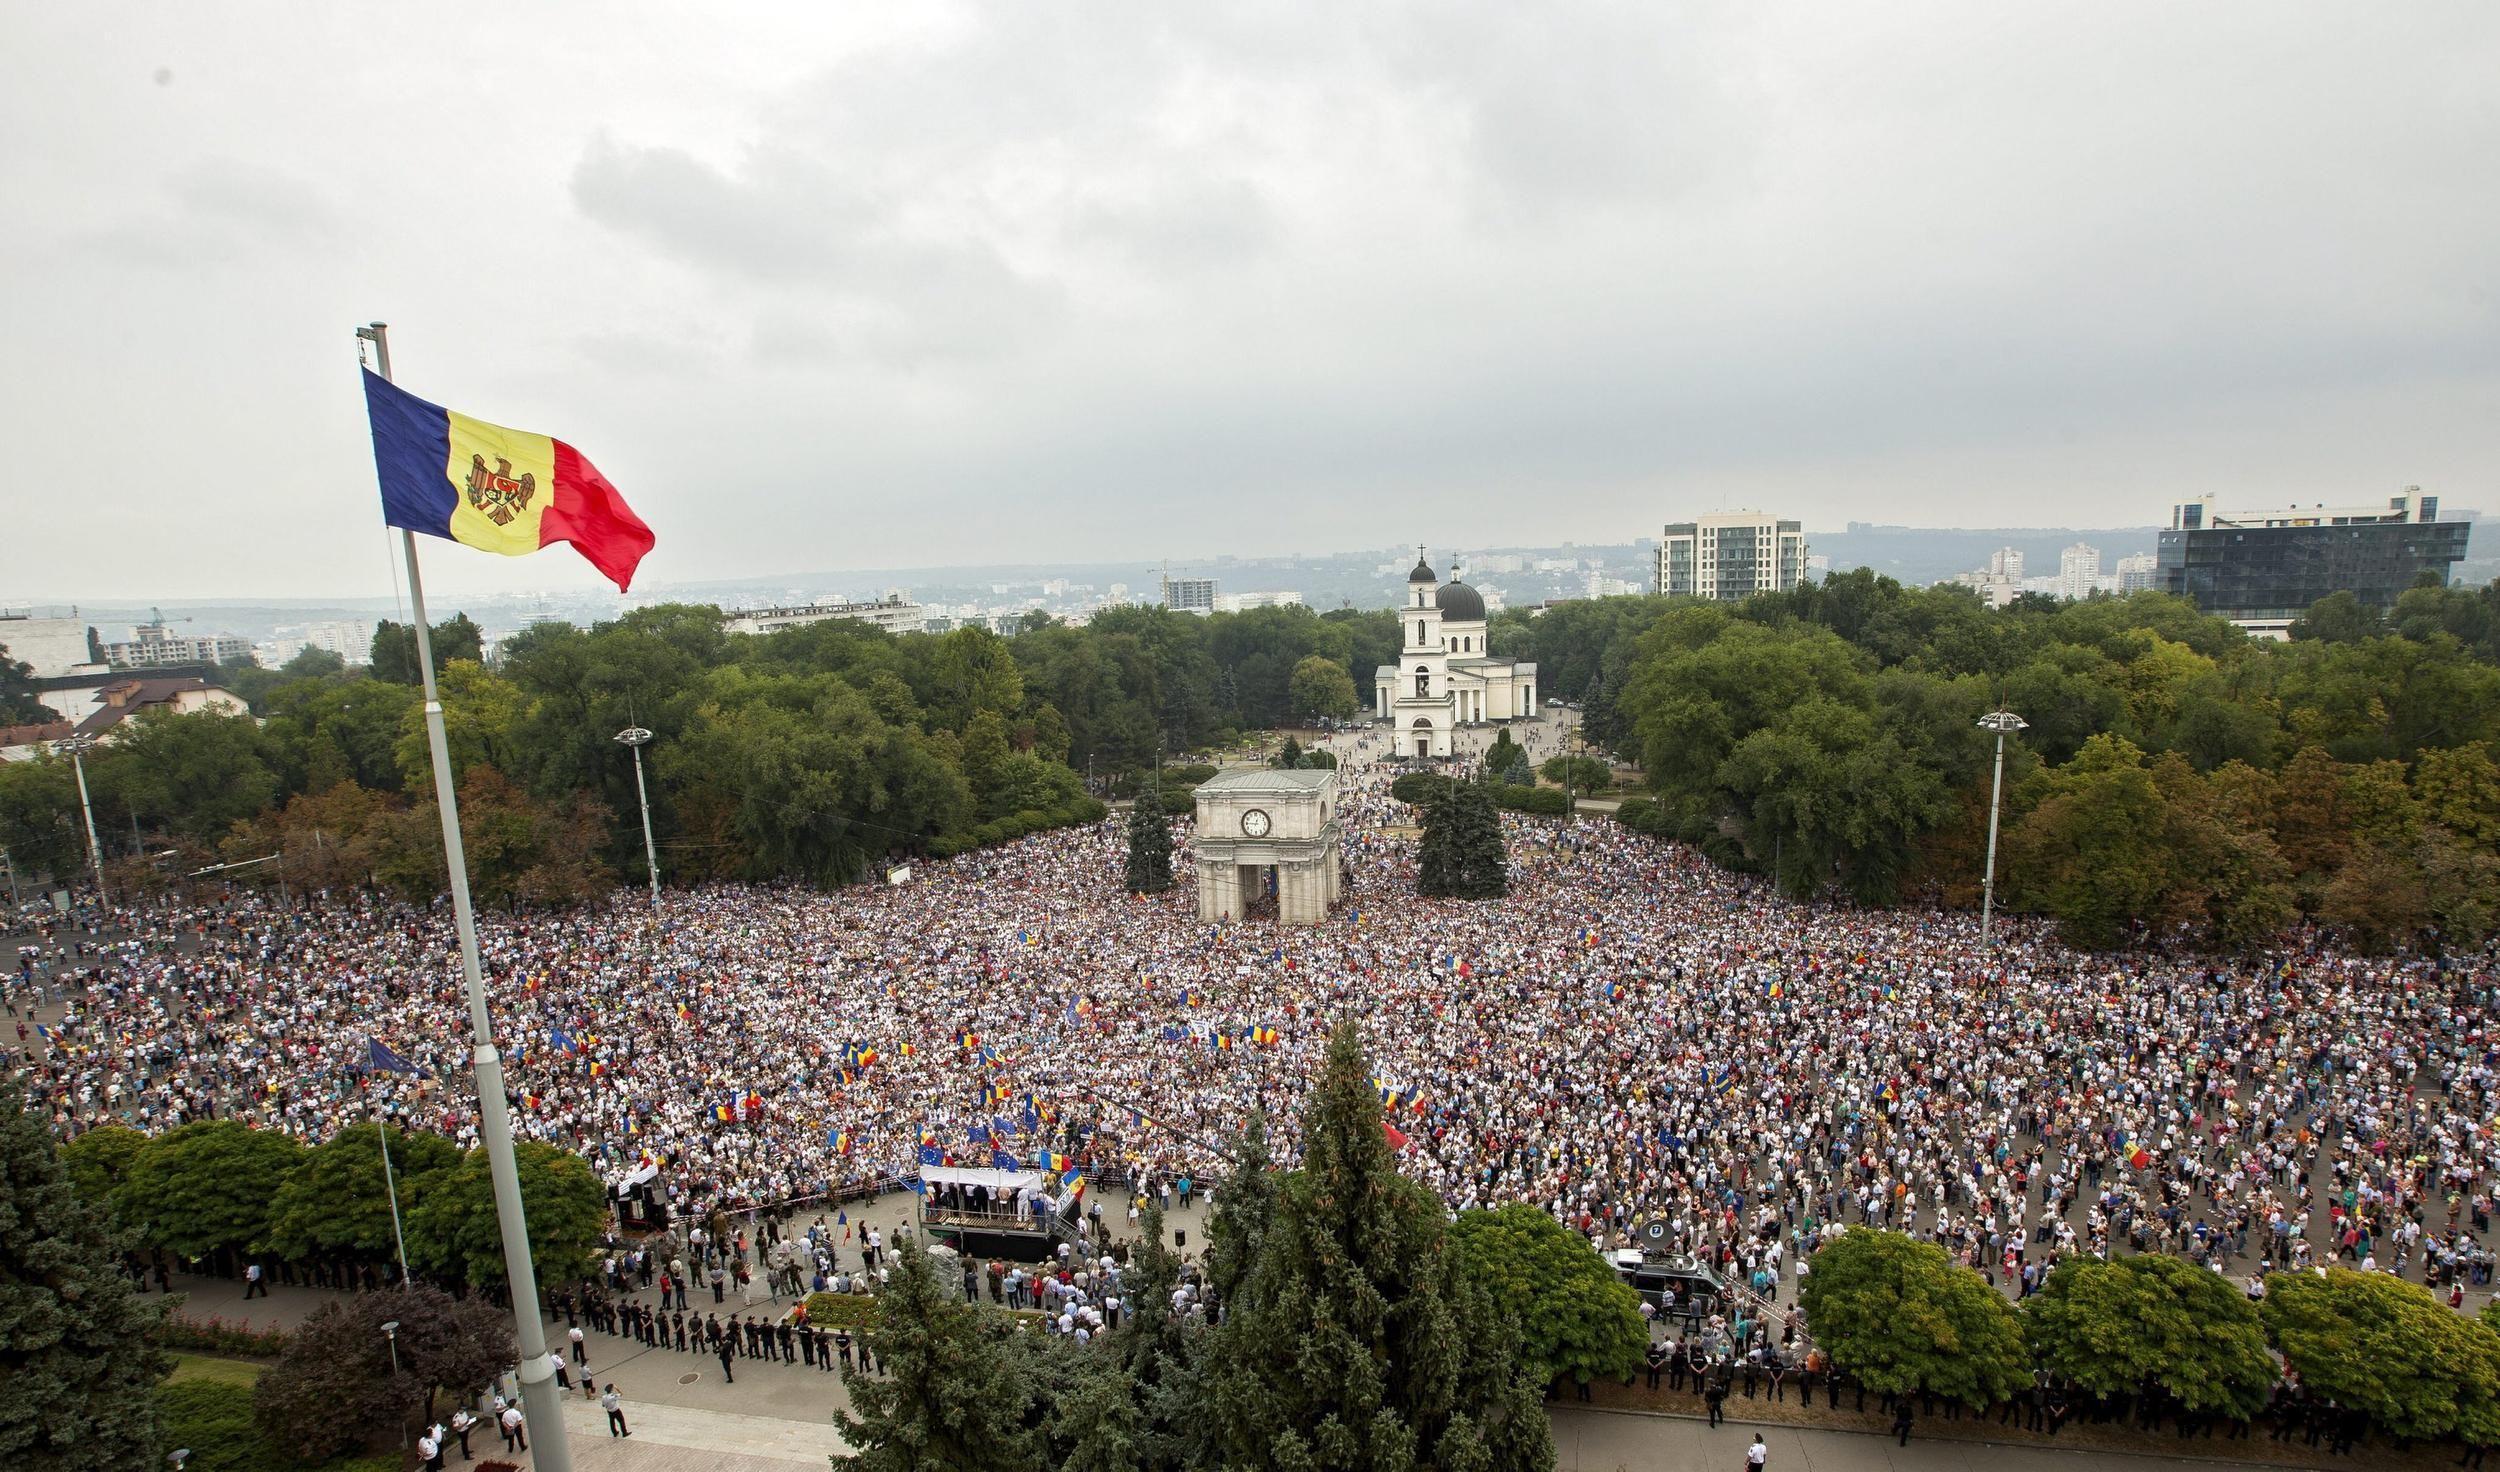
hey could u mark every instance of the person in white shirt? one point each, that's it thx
(1757, 1455)
(614, 1405)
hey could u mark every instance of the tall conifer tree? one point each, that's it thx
(1355, 1343)
(1149, 844)
(81, 1367)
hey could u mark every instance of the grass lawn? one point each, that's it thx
(211, 1368)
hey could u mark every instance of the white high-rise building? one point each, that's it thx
(2078, 571)
(2137, 572)
(1730, 555)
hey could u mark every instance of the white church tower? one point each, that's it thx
(1446, 675)
(1420, 709)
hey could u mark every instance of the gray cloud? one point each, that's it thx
(999, 280)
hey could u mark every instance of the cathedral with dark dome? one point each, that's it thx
(1445, 677)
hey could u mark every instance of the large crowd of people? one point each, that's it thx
(1646, 1046)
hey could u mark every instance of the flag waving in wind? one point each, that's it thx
(495, 489)
(382, 1058)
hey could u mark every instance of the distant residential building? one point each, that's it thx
(2261, 569)
(2000, 582)
(156, 646)
(2137, 572)
(99, 708)
(1189, 595)
(2078, 571)
(895, 613)
(1238, 602)
(1598, 585)
(1485, 562)
(25, 743)
(1730, 555)
(52, 646)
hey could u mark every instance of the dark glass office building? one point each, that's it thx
(2263, 569)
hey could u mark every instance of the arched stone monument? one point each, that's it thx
(1268, 830)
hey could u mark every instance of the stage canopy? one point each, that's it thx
(996, 1180)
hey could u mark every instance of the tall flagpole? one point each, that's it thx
(382, 1129)
(544, 1403)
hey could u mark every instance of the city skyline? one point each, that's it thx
(886, 289)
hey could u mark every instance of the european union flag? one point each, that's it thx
(932, 1155)
(979, 1134)
(384, 1059)
(556, 1039)
(1032, 1121)
(1001, 1160)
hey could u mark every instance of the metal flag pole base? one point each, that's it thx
(542, 1401)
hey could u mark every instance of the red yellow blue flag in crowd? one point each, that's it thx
(495, 489)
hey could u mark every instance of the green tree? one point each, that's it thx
(19, 705)
(1576, 1317)
(1506, 761)
(945, 1396)
(97, 1162)
(2152, 1321)
(454, 1237)
(191, 775)
(520, 850)
(2377, 1344)
(1237, 1231)
(1149, 844)
(335, 1202)
(1289, 755)
(1897, 1314)
(342, 1384)
(1356, 1342)
(1322, 690)
(1461, 855)
(394, 656)
(1583, 774)
(205, 1187)
(81, 1364)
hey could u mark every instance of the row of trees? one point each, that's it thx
(83, 1347)
(808, 753)
(2157, 1334)
(2176, 777)
(220, 1191)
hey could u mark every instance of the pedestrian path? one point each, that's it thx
(681, 1439)
(1616, 1441)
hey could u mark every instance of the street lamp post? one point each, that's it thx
(635, 739)
(77, 747)
(2003, 723)
(390, 1332)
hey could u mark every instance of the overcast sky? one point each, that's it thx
(857, 286)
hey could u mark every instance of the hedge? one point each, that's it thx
(1543, 802)
(216, 1336)
(1187, 776)
(1642, 815)
(1179, 802)
(858, 1311)
(842, 1311)
(1071, 814)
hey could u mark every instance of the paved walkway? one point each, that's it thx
(1616, 1441)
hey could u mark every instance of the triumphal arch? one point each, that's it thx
(1268, 832)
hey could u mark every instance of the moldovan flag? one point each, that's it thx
(495, 489)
